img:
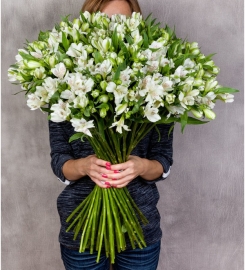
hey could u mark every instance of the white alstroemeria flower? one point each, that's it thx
(37, 54)
(211, 84)
(68, 94)
(167, 84)
(85, 86)
(104, 44)
(80, 84)
(180, 72)
(50, 85)
(136, 36)
(151, 113)
(39, 73)
(76, 50)
(53, 41)
(132, 23)
(125, 76)
(81, 125)
(175, 110)
(82, 65)
(12, 75)
(120, 125)
(170, 98)
(18, 57)
(121, 29)
(103, 68)
(121, 19)
(119, 91)
(226, 97)
(207, 100)
(165, 61)
(188, 63)
(42, 93)
(80, 101)
(152, 66)
(154, 92)
(187, 98)
(87, 15)
(155, 45)
(34, 102)
(60, 111)
(59, 70)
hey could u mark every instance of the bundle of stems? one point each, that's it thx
(107, 215)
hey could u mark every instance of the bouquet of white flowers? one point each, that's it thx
(115, 79)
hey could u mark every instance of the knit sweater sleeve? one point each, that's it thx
(61, 150)
(161, 148)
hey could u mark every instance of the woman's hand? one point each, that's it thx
(97, 169)
(124, 173)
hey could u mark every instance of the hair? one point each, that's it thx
(97, 5)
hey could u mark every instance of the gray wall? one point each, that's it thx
(201, 202)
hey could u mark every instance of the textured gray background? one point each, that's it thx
(201, 202)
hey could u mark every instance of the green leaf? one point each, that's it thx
(129, 39)
(183, 121)
(223, 90)
(27, 56)
(97, 57)
(194, 121)
(65, 41)
(76, 136)
(55, 97)
(114, 39)
(146, 40)
(26, 77)
(43, 36)
(46, 110)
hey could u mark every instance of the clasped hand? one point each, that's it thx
(106, 175)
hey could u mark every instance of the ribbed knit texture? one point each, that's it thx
(144, 193)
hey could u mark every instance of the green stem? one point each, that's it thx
(102, 227)
(110, 227)
(88, 218)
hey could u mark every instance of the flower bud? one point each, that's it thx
(197, 114)
(120, 60)
(210, 84)
(103, 85)
(85, 27)
(89, 49)
(39, 73)
(68, 63)
(77, 22)
(170, 98)
(103, 113)
(103, 99)
(32, 64)
(197, 82)
(118, 82)
(209, 114)
(95, 93)
(52, 61)
(121, 108)
(98, 77)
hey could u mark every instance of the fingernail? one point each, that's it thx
(116, 171)
(107, 183)
(104, 175)
(108, 164)
(114, 178)
(108, 167)
(108, 186)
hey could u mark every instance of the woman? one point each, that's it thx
(76, 165)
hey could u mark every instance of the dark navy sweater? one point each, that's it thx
(144, 192)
